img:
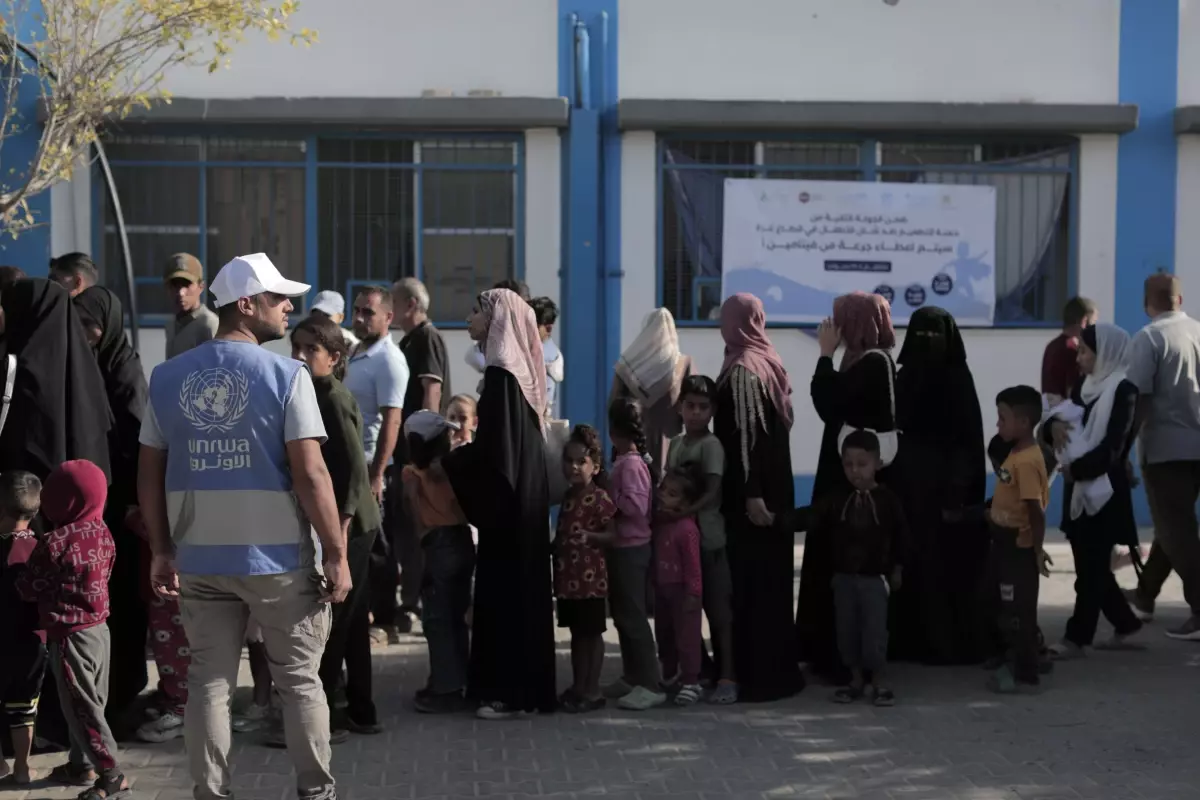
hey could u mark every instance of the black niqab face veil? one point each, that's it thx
(59, 409)
(932, 339)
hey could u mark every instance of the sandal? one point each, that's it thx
(726, 694)
(847, 694)
(107, 789)
(688, 695)
(581, 705)
(884, 698)
(73, 775)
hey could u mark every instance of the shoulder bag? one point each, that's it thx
(889, 441)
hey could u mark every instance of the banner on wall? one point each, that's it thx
(797, 245)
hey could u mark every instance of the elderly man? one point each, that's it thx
(231, 483)
(1164, 362)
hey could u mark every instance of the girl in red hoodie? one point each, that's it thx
(67, 576)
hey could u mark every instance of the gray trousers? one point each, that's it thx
(295, 627)
(80, 666)
(628, 579)
(861, 608)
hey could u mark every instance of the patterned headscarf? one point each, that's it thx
(865, 321)
(648, 365)
(512, 344)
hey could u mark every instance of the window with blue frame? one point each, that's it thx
(1035, 183)
(445, 210)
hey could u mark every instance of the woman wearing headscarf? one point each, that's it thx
(857, 393)
(500, 482)
(651, 370)
(125, 384)
(753, 421)
(940, 471)
(1098, 505)
(58, 410)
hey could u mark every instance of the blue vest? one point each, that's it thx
(221, 407)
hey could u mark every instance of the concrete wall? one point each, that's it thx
(1187, 209)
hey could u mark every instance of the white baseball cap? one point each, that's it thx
(329, 302)
(247, 276)
(428, 425)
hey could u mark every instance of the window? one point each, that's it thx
(1034, 207)
(213, 198)
(446, 210)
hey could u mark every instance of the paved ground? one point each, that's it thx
(1113, 726)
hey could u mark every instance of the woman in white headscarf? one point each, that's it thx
(651, 371)
(1098, 506)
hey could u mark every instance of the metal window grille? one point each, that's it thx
(1035, 225)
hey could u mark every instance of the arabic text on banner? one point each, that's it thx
(799, 244)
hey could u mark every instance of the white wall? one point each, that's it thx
(395, 48)
(1187, 195)
(1043, 51)
(1098, 221)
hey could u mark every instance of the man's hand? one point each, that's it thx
(756, 509)
(1044, 562)
(337, 580)
(164, 579)
(377, 489)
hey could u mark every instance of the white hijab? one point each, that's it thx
(647, 367)
(1098, 391)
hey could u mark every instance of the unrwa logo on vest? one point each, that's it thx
(214, 400)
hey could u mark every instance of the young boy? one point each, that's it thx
(697, 445)
(1017, 520)
(23, 656)
(867, 528)
(449, 563)
(67, 575)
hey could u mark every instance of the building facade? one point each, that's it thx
(581, 145)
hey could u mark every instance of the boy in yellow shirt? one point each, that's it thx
(1017, 520)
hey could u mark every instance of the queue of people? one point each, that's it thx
(405, 501)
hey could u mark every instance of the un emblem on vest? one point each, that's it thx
(214, 400)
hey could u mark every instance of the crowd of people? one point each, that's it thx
(305, 508)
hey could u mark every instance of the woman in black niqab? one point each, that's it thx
(59, 409)
(125, 384)
(937, 613)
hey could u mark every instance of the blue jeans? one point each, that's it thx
(446, 597)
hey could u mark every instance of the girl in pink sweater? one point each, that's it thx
(677, 584)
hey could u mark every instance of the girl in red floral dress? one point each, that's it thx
(585, 527)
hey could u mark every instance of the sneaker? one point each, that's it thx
(498, 711)
(253, 718)
(1188, 631)
(1142, 609)
(641, 699)
(617, 689)
(1066, 651)
(168, 726)
(449, 703)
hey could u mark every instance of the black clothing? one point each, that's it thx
(350, 638)
(59, 410)
(859, 396)
(868, 530)
(585, 616)
(500, 482)
(425, 351)
(1096, 593)
(1013, 584)
(940, 473)
(344, 457)
(761, 560)
(125, 385)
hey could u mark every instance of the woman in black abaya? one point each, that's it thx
(753, 421)
(940, 471)
(125, 384)
(59, 410)
(500, 482)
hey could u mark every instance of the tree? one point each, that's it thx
(95, 60)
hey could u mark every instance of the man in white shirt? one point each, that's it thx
(377, 375)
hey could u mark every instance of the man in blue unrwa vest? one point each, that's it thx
(232, 483)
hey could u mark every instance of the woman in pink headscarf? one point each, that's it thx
(859, 393)
(754, 421)
(500, 482)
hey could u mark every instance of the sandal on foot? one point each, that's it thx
(113, 788)
(688, 694)
(72, 775)
(884, 698)
(847, 694)
(726, 694)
